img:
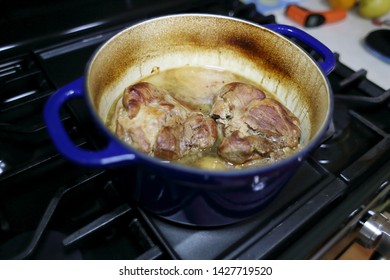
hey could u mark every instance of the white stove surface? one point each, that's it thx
(346, 38)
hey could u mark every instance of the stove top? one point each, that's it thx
(53, 209)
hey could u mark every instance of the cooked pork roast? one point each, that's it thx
(151, 120)
(239, 126)
(254, 126)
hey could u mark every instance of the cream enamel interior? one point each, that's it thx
(254, 52)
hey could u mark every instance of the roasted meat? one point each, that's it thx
(195, 133)
(232, 98)
(151, 120)
(271, 119)
(254, 126)
(241, 149)
(244, 125)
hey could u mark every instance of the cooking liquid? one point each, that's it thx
(195, 87)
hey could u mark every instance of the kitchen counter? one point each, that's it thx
(346, 38)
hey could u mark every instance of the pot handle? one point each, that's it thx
(329, 60)
(114, 153)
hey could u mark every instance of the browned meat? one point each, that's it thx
(138, 94)
(232, 98)
(168, 143)
(145, 111)
(195, 133)
(200, 132)
(240, 149)
(152, 121)
(254, 126)
(251, 126)
(272, 120)
(236, 149)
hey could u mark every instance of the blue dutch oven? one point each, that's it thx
(184, 194)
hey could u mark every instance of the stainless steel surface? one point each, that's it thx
(375, 234)
(369, 226)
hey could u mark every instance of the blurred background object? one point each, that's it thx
(341, 4)
(373, 8)
(266, 6)
(310, 18)
(378, 43)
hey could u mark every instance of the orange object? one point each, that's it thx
(343, 4)
(310, 18)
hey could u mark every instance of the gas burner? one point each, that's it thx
(350, 141)
(358, 127)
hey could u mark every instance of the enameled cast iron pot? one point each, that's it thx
(185, 194)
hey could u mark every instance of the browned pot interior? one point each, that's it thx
(249, 50)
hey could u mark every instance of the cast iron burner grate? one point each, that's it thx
(52, 209)
(86, 219)
(361, 138)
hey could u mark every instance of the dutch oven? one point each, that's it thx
(184, 194)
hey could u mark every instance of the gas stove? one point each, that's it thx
(53, 209)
